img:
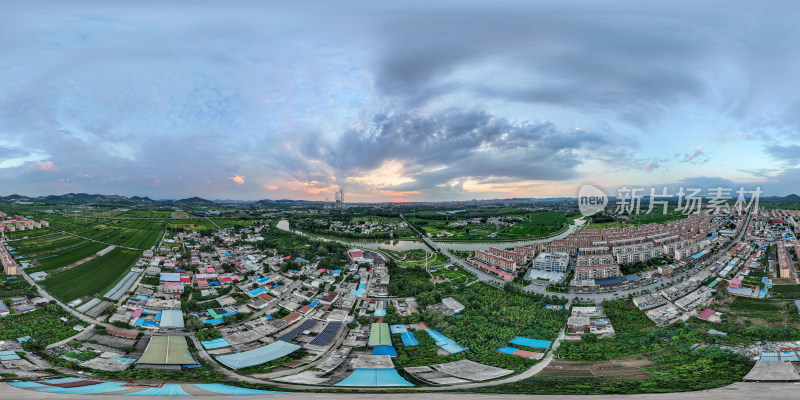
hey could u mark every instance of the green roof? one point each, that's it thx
(379, 335)
(168, 350)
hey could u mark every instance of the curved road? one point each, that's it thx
(736, 391)
(696, 267)
(722, 392)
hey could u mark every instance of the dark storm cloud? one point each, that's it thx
(631, 61)
(457, 145)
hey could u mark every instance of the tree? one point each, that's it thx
(192, 323)
(34, 346)
(589, 337)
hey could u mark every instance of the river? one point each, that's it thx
(405, 244)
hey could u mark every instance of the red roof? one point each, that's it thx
(305, 309)
(266, 297)
(122, 333)
(355, 254)
(706, 313)
(187, 280)
(291, 317)
(528, 354)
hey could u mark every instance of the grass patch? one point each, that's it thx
(625, 317)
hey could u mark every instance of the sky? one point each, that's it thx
(396, 101)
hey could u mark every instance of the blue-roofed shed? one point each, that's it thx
(384, 351)
(374, 377)
(507, 350)
(398, 328)
(409, 339)
(535, 343)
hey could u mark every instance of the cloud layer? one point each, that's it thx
(417, 100)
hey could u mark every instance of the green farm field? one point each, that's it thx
(92, 278)
(536, 224)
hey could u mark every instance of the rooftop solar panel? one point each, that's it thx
(307, 324)
(327, 334)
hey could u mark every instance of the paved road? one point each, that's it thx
(736, 391)
(480, 274)
(597, 297)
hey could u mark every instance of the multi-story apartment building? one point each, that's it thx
(529, 251)
(503, 263)
(551, 262)
(597, 272)
(519, 258)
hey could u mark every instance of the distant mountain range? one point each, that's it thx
(201, 202)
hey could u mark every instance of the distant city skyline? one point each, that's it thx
(411, 101)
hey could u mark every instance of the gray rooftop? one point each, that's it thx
(772, 371)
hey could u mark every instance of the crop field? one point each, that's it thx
(625, 317)
(760, 312)
(44, 245)
(541, 223)
(43, 324)
(93, 277)
(373, 218)
(227, 223)
(28, 234)
(137, 234)
(192, 224)
(128, 233)
(15, 288)
(145, 214)
(53, 251)
(67, 256)
(624, 368)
